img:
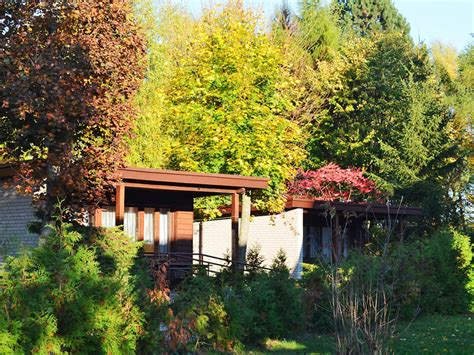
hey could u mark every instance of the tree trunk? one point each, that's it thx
(50, 202)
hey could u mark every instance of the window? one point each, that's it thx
(164, 230)
(327, 241)
(148, 235)
(130, 222)
(108, 216)
(130, 225)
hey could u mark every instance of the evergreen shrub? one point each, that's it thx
(234, 308)
(447, 273)
(73, 293)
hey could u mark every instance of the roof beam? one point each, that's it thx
(179, 188)
(191, 178)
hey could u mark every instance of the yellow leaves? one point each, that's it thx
(218, 101)
(445, 59)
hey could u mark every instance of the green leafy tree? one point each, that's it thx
(68, 73)
(218, 99)
(384, 112)
(314, 31)
(455, 75)
(312, 40)
(377, 102)
(366, 17)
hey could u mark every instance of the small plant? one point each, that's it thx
(362, 310)
(362, 299)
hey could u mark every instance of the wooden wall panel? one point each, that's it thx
(156, 232)
(141, 225)
(182, 238)
(98, 217)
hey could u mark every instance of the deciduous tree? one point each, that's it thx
(219, 100)
(332, 183)
(68, 72)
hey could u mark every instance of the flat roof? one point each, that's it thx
(370, 207)
(187, 179)
(177, 180)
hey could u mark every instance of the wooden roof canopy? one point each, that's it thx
(203, 183)
(172, 180)
(361, 207)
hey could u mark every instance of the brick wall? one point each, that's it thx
(16, 213)
(270, 233)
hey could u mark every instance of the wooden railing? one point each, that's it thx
(179, 265)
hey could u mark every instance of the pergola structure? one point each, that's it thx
(173, 191)
(348, 218)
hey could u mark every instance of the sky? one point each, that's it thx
(448, 21)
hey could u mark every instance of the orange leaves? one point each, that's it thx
(58, 94)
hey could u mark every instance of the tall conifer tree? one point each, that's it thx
(365, 17)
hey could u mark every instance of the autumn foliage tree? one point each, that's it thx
(218, 99)
(333, 183)
(68, 72)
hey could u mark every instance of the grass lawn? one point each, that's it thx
(429, 334)
(437, 335)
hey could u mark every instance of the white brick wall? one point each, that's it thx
(16, 212)
(284, 230)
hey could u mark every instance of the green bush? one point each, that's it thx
(317, 293)
(435, 275)
(223, 312)
(199, 302)
(446, 273)
(73, 293)
(272, 302)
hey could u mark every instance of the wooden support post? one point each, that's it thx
(156, 232)
(235, 227)
(401, 229)
(98, 217)
(244, 228)
(119, 204)
(140, 225)
(335, 238)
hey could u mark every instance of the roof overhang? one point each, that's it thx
(170, 180)
(204, 183)
(361, 207)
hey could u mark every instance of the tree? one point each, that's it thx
(332, 183)
(218, 100)
(383, 111)
(312, 40)
(366, 17)
(375, 101)
(455, 79)
(68, 73)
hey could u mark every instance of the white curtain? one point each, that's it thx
(108, 216)
(130, 221)
(164, 230)
(148, 236)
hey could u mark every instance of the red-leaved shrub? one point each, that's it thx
(333, 183)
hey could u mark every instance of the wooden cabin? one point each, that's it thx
(154, 206)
